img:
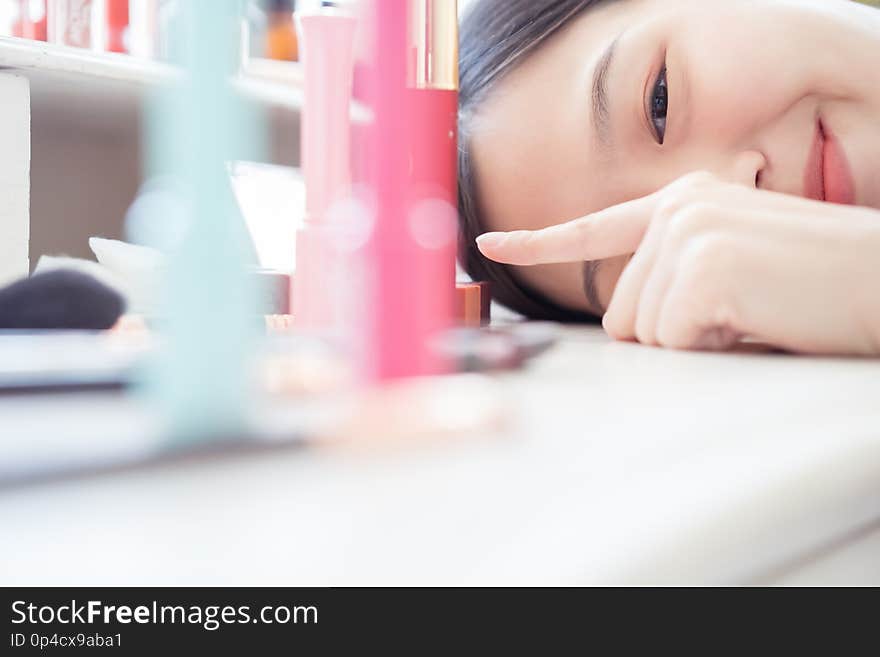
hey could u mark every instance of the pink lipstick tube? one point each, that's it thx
(327, 43)
(411, 171)
(433, 215)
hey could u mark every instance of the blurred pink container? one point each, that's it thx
(70, 22)
(29, 19)
(327, 42)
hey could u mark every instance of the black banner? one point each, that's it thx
(154, 621)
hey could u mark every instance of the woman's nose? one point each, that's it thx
(747, 168)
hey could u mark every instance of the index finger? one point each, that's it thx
(614, 231)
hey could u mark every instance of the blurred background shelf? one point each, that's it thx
(86, 117)
(49, 58)
(100, 90)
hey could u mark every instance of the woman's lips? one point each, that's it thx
(827, 176)
(839, 186)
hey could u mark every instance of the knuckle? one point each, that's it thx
(706, 271)
(708, 255)
(584, 227)
(693, 219)
(683, 192)
(671, 204)
(697, 179)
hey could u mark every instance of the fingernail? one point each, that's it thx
(607, 325)
(490, 240)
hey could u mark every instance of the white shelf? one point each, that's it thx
(104, 92)
(41, 57)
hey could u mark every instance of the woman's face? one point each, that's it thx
(580, 124)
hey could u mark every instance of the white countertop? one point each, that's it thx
(621, 464)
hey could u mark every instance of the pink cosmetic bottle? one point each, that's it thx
(327, 41)
(432, 87)
(411, 172)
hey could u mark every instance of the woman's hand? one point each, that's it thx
(714, 262)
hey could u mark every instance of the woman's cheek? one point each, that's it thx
(741, 74)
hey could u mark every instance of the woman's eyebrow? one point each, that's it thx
(591, 267)
(600, 115)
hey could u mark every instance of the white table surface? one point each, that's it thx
(621, 464)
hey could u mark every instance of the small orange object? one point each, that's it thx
(473, 303)
(281, 38)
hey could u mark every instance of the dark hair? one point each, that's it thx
(495, 37)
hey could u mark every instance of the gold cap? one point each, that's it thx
(433, 61)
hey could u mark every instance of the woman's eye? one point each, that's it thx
(659, 105)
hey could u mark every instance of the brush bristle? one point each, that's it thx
(59, 299)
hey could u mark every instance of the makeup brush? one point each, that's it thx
(59, 299)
